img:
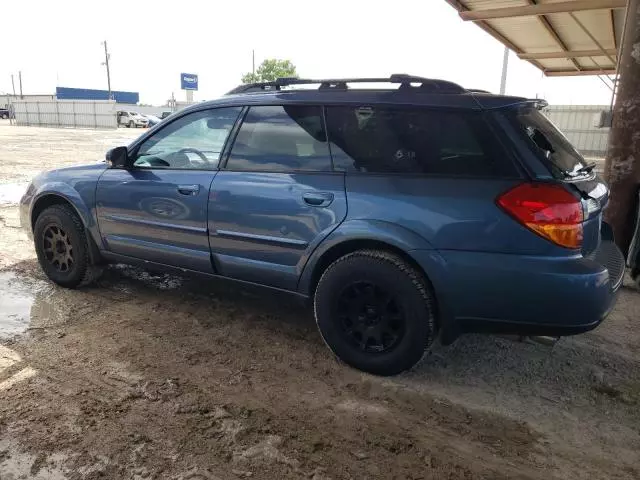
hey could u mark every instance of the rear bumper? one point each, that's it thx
(525, 295)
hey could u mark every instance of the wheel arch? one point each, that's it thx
(49, 199)
(348, 246)
(371, 234)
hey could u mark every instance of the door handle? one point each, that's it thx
(188, 189)
(318, 199)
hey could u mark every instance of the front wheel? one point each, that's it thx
(62, 248)
(375, 311)
(5, 116)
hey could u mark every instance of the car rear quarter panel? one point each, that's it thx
(448, 213)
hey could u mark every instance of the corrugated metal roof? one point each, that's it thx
(560, 37)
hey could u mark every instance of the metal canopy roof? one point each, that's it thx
(560, 37)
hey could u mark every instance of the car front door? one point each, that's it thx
(156, 209)
(277, 196)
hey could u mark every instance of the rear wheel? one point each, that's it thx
(62, 248)
(375, 311)
(131, 124)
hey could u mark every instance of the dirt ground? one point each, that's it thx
(145, 376)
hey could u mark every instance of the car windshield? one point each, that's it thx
(547, 140)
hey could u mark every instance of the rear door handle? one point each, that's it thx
(318, 199)
(188, 189)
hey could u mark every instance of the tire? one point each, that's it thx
(131, 124)
(5, 116)
(64, 255)
(377, 293)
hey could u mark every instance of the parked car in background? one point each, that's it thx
(131, 119)
(414, 211)
(153, 120)
(4, 113)
(165, 115)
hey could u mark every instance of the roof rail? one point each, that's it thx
(477, 90)
(406, 82)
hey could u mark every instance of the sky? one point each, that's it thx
(58, 43)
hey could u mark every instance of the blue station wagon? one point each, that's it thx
(406, 209)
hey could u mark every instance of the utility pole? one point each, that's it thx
(253, 62)
(106, 63)
(622, 168)
(505, 65)
(13, 85)
(20, 81)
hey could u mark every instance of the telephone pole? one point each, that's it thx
(13, 85)
(20, 82)
(106, 63)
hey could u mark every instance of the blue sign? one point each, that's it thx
(188, 81)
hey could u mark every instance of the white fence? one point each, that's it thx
(66, 113)
(580, 124)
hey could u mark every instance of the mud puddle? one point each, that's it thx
(23, 303)
(11, 193)
(16, 464)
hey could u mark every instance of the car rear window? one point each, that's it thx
(415, 141)
(547, 141)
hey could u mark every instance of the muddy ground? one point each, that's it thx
(153, 376)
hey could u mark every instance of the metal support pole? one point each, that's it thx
(505, 66)
(622, 168)
(20, 81)
(13, 85)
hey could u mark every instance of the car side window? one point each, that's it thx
(192, 142)
(281, 139)
(415, 141)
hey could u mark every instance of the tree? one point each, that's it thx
(270, 70)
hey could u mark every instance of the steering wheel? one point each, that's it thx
(196, 151)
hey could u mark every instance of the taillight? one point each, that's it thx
(549, 210)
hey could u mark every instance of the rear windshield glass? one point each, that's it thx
(545, 138)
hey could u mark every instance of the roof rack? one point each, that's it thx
(407, 82)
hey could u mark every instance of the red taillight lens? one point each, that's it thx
(547, 209)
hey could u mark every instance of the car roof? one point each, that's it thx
(468, 100)
(398, 89)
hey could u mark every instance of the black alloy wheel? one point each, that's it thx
(375, 311)
(371, 317)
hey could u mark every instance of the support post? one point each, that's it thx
(505, 67)
(622, 168)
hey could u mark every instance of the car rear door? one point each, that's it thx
(156, 209)
(277, 196)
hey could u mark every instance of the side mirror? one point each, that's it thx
(118, 157)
